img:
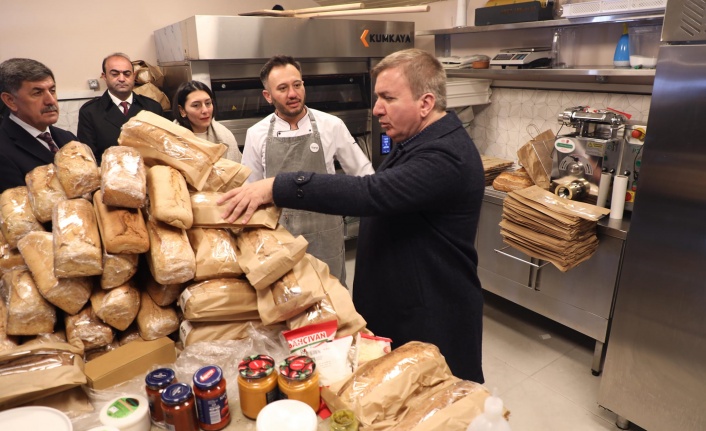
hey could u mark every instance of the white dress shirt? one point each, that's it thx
(31, 130)
(336, 141)
(118, 101)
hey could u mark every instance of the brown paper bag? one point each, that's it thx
(221, 299)
(226, 175)
(215, 251)
(194, 332)
(28, 373)
(536, 157)
(150, 90)
(147, 73)
(207, 213)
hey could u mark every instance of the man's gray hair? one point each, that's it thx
(15, 71)
(423, 72)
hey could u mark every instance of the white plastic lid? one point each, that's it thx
(104, 428)
(287, 415)
(129, 412)
(34, 418)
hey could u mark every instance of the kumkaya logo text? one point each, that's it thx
(367, 38)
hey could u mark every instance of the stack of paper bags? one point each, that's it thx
(493, 166)
(547, 227)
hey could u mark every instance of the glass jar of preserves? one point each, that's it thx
(257, 384)
(179, 408)
(298, 380)
(344, 420)
(155, 383)
(211, 398)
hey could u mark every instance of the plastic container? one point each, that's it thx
(211, 398)
(155, 383)
(344, 420)
(34, 418)
(298, 380)
(286, 415)
(644, 45)
(492, 417)
(622, 49)
(257, 384)
(179, 408)
(127, 413)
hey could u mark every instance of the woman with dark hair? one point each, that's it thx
(193, 106)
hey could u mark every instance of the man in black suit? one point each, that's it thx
(28, 90)
(100, 119)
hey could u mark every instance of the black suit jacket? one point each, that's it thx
(20, 152)
(100, 120)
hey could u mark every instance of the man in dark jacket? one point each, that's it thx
(100, 119)
(27, 137)
(416, 264)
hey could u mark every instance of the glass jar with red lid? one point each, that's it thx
(179, 408)
(257, 384)
(298, 380)
(211, 398)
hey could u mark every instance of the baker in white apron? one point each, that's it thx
(323, 231)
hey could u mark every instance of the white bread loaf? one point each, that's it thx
(162, 294)
(215, 253)
(123, 178)
(87, 328)
(16, 216)
(129, 335)
(69, 294)
(28, 313)
(117, 307)
(77, 169)
(171, 259)
(122, 230)
(77, 243)
(162, 142)
(226, 175)
(169, 197)
(45, 190)
(10, 258)
(154, 321)
(118, 269)
(512, 180)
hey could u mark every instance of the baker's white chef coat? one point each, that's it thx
(336, 141)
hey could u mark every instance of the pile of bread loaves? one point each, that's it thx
(136, 248)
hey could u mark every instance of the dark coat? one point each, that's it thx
(20, 152)
(416, 264)
(100, 120)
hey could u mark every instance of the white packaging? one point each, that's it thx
(129, 412)
(287, 415)
(34, 418)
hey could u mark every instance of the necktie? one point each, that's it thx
(125, 108)
(46, 137)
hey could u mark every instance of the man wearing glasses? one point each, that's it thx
(100, 119)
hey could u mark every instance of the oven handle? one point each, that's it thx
(500, 251)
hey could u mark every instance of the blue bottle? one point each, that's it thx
(622, 50)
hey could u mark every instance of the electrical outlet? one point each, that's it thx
(93, 84)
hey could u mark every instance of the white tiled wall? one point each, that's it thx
(68, 114)
(515, 115)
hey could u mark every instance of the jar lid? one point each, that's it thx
(176, 393)
(35, 418)
(160, 378)
(208, 376)
(256, 366)
(286, 415)
(297, 367)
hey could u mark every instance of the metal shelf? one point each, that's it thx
(563, 22)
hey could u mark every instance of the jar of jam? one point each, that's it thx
(298, 380)
(211, 398)
(344, 420)
(155, 383)
(257, 384)
(179, 408)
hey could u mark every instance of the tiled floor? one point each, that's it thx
(540, 369)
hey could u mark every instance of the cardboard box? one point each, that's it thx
(512, 13)
(128, 361)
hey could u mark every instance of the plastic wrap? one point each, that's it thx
(170, 258)
(117, 307)
(77, 169)
(123, 178)
(195, 332)
(77, 243)
(44, 191)
(118, 269)
(154, 321)
(6, 341)
(28, 313)
(226, 175)
(10, 258)
(122, 230)
(207, 213)
(162, 142)
(69, 294)
(89, 329)
(162, 294)
(169, 197)
(267, 255)
(221, 299)
(16, 216)
(215, 251)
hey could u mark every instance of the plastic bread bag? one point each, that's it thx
(10, 258)
(219, 300)
(6, 341)
(77, 243)
(16, 216)
(154, 321)
(266, 255)
(162, 142)
(161, 294)
(122, 230)
(89, 329)
(170, 258)
(123, 178)
(195, 332)
(215, 251)
(207, 213)
(69, 294)
(77, 169)
(28, 313)
(226, 175)
(117, 307)
(118, 269)
(44, 191)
